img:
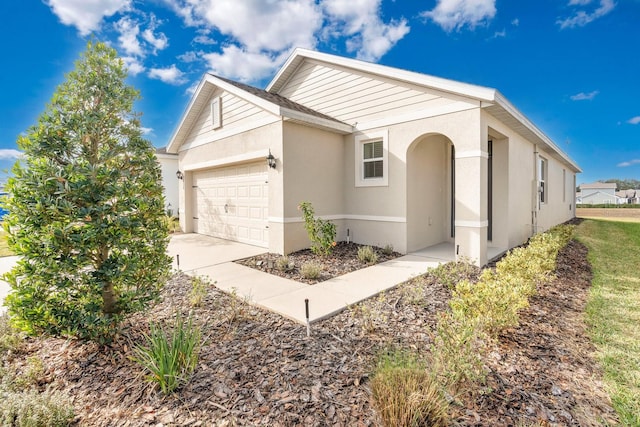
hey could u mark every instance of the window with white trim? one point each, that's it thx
(371, 155)
(216, 112)
(543, 175)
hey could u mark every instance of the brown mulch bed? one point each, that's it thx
(258, 368)
(342, 260)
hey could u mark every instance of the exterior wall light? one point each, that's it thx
(271, 161)
(179, 175)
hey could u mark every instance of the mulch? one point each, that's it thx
(257, 368)
(343, 259)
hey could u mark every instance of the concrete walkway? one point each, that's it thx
(207, 256)
(285, 296)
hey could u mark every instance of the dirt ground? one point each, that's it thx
(619, 214)
(257, 368)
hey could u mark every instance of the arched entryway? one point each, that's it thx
(430, 192)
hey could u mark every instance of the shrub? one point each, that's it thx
(388, 249)
(170, 358)
(322, 233)
(310, 270)
(33, 409)
(198, 291)
(367, 255)
(283, 263)
(405, 394)
(450, 273)
(10, 339)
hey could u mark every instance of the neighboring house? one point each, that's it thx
(598, 193)
(630, 196)
(169, 166)
(391, 156)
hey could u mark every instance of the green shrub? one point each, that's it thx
(367, 255)
(10, 337)
(322, 233)
(198, 291)
(450, 273)
(33, 409)
(405, 394)
(388, 249)
(283, 263)
(170, 358)
(310, 270)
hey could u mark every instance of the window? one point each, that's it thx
(216, 112)
(542, 179)
(373, 161)
(371, 157)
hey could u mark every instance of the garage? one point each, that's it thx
(232, 203)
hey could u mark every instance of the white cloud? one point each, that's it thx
(133, 65)
(634, 120)
(456, 14)
(10, 154)
(191, 56)
(86, 15)
(581, 18)
(146, 131)
(515, 22)
(360, 21)
(629, 163)
(171, 75)
(499, 34)
(128, 37)
(237, 63)
(159, 41)
(584, 96)
(202, 39)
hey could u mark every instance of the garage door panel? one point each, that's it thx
(232, 203)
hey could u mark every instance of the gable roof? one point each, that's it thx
(273, 103)
(490, 99)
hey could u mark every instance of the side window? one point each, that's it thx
(372, 159)
(543, 174)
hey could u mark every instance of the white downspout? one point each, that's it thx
(535, 193)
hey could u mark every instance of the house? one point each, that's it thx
(169, 166)
(597, 193)
(630, 196)
(391, 156)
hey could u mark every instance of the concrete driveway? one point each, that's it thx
(198, 252)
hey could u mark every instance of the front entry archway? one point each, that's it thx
(430, 192)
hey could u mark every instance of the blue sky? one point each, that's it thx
(571, 66)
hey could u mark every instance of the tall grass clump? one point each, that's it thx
(405, 394)
(170, 357)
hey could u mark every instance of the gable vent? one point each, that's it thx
(216, 112)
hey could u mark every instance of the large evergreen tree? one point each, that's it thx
(86, 208)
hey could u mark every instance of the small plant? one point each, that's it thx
(34, 409)
(31, 374)
(405, 394)
(284, 264)
(367, 255)
(170, 358)
(322, 233)
(238, 306)
(413, 292)
(370, 313)
(388, 249)
(198, 292)
(10, 337)
(311, 270)
(450, 273)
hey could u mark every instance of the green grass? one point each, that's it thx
(613, 309)
(4, 246)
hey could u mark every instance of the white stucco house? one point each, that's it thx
(169, 166)
(597, 193)
(391, 156)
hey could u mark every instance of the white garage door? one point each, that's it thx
(232, 203)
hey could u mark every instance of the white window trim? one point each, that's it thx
(543, 177)
(362, 139)
(216, 112)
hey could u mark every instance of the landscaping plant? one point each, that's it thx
(86, 210)
(367, 255)
(170, 357)
(322, 233)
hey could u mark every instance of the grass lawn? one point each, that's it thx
(613, 310)
(4, 248)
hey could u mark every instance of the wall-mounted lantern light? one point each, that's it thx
(271, 161)
(179, 175)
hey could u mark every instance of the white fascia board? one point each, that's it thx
(513, 111)
(459, 88)
(341, 128)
